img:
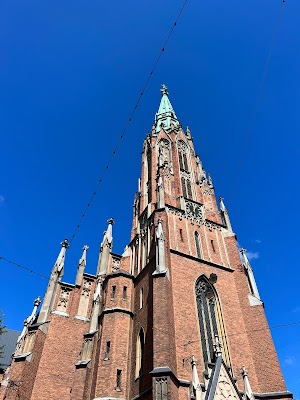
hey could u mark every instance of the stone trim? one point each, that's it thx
(81, 318)
(61, 313)
(120, 273)
(82, 363)
(68, 285)
(202, 260)
(118, 309)
(24, 356)
(157, 274)
(275, 395)
(166, 371)
(89, 275)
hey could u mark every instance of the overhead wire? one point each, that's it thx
(118, 143)
(257, 101)
(128, 122)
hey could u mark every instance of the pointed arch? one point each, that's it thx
(184, 166)
(210, 320)
(164, 152)
(140, 353)
(183, 156)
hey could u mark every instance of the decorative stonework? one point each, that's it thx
(225, 389)
(186, 175)
(87, 285)
(63, 299)
(115, 264)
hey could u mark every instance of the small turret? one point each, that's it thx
(81, 266)
(195, 381)
(249, 271)
(248, 394)
(225, 215)
(28, 321)
(55, 277)
(105, 249)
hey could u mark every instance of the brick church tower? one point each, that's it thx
(177, 316)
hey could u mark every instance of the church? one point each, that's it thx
(177, 316)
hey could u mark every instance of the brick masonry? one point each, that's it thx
(68, 361)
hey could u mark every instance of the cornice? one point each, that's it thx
(201, 260)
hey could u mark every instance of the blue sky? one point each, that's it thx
(70, 74)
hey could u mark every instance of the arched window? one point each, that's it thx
(182, 155)
(149, 170)
(210, 320)
(140, 354)
(164, 152)
(198, 246)
(184, 170)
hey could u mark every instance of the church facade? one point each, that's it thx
(177, 316)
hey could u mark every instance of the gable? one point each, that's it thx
(221, 385)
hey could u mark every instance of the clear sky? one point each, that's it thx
(70, 74)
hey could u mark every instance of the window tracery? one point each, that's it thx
(210, 320)
(185, 175)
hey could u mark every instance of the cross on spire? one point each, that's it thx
(164, 90)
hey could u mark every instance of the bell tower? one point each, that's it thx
(177, 316)
(204, 324)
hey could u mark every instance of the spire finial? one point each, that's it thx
(65, 243)
(247, 387)
(164, 90)
(165, 118)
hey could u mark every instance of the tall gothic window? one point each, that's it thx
(149, 168)
(210, 320)
(184, 170)
(198, 246)
(140, 354)
(182, 155)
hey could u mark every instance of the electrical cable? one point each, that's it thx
(128, 122)
(257, 101)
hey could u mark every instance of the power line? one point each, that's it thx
(257, 101)
(128, 121)
(22, 267)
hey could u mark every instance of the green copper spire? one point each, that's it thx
(165, 117)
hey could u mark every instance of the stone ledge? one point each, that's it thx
(274, 395)
(166, 371)
(81, 318)
(179, 253)
(118, 309)
(61, 313)
(24, 356)
(82, 363)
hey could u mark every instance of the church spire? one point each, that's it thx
(225, 214)
(81, 266)
(105, 249)
(251, 279)
(56, 275)
(248, 394)
(165, 117)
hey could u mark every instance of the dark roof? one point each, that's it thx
(9, 340)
